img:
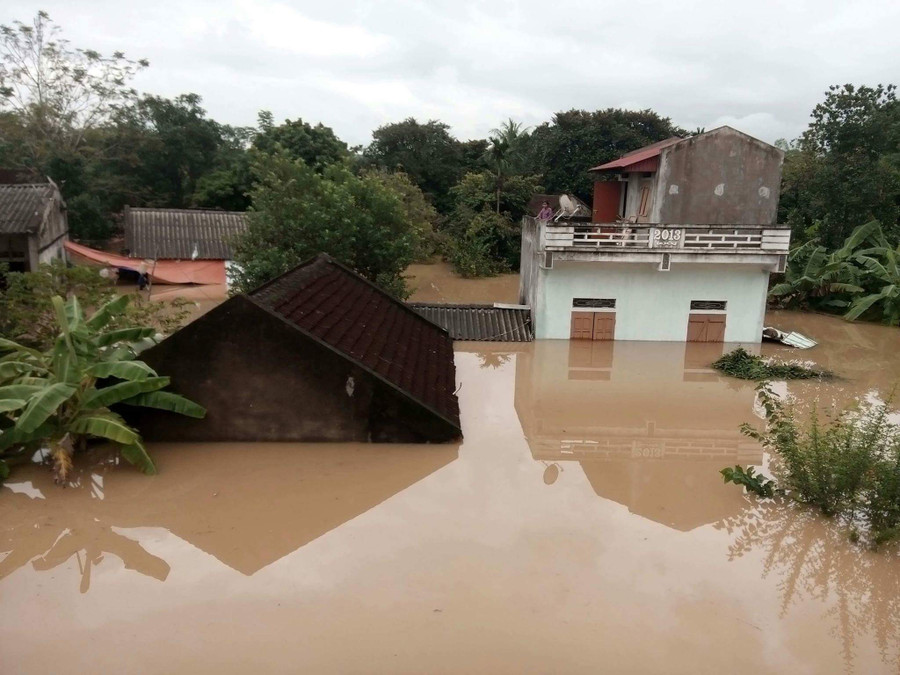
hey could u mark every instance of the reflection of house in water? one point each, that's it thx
(246, 505)
(650, 423)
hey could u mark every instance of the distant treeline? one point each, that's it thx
(71, 114)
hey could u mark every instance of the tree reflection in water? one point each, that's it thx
(813, 558)
(78, 526)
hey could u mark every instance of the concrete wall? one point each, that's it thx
(720, 177)
(653, 305)
(262, 380)
(529, 265)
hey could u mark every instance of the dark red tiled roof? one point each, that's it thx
(341, 309)
(637, 157)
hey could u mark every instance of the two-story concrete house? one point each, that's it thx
(680, 246)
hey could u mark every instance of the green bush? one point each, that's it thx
(26, 308)
(848, 467)
(742, 364)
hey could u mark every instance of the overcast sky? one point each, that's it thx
(757, 65)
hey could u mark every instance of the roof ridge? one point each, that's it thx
(328, 259)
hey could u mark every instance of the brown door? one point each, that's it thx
(604, 325)
(706, 328)
(582, 325)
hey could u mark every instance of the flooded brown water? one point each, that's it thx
(581, 526)
(436, 282)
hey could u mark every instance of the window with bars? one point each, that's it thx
(594, 303)
(707, 305)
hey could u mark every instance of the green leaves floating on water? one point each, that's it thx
(742, 364)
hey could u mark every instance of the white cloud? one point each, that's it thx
(759, 66)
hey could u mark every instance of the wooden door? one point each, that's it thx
(582, 326)
(706, 328)
(604, 325)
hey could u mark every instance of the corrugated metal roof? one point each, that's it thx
(341, 309)
(634, 158)
(479, 323)
(174, 234)
(22, 207)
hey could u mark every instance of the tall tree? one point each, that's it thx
(564, 149)
(57, 92)
(299, 212)
(427, 153)
(504, 153)
(845, 169)
(317, 146)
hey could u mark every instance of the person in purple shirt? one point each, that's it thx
(546, 212)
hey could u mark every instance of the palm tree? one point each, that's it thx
(51, 399)
(504, 154)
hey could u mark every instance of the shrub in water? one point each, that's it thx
(848, 467)
(746, 366)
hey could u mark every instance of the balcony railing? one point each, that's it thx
(768, 239)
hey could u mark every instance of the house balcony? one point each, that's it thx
(657, 242)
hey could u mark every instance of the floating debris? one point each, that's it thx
(792, 339)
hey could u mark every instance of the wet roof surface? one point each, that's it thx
(21, 207)
(638, 156)
(173, 234)
(481, 323)
(352, 316)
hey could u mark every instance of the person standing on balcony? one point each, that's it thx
(546, 212)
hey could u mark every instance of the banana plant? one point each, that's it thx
(60, 398)
(885, 272)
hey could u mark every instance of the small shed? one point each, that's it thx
(317, 354)
(182, 234)
(33, 225)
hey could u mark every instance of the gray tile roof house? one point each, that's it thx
(182, 234)
(33, 225)
(480, 323)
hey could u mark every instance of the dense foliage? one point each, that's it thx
(56, 399)
(848, 467)
(845, 169)
(742, 364)
(26, 304)
(299, 212)
(860, 279)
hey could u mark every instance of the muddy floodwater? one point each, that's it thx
(580, 527)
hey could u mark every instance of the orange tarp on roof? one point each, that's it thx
(160, 271)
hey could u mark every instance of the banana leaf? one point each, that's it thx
(124, 370)
(136, 453)
(25, 391)
(165, 400)
(15, 436)
(74, 314)
(10, 346)
(11, 404)
(13, 368)
(104, 425)
(861, 306)
(103, 398)
(107, 312)
(42, 405)
(124, 335)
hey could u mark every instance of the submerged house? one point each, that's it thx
(198, 240)
(33, 225)
(317, 354)
(680, 247)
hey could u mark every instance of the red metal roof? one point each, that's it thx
(642, 159)
(341, 309)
